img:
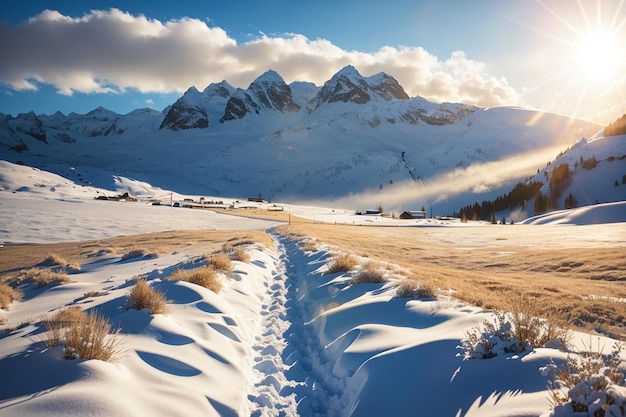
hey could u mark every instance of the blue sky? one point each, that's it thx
(126, 55)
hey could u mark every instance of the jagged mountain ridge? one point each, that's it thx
(296, 141)
(222, 102)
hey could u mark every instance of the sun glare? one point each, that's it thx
(600, 56)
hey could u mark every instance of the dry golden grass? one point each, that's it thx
(91, 294)
(59, 321)
(134, 253)
(38, 277)
(239, 253)
(593, 369)
(412, 288)
(220, 262)
(85, 335)
(59, 264)
(17, 257)
(205, 276)
(144, 296)
(533, 325)
(309, 246)
(342, 262)
(8, 294)
(562, 279)
(369, 273)
(251, 238)
(52, 259)
(91, 338)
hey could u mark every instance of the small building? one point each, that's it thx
(413, 214)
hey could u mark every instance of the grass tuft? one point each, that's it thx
(58, 322)
(206, 277)
(134, 253)
(588, 382)
(220, 262)
(85, 335)
(8, 294)
(39, 277)
(144, 296)
(515, 331)
(52, 259)
(411, 288)
(91, 294)
(343, 262)
(239, 253)
(90, 339)
(369, 273)
(309, 246)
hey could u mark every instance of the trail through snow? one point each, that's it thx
(291, 377)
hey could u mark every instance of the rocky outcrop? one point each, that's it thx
(30, 125)
(349, 86)
(187, 112)
(268, 92)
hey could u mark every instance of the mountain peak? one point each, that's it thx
(187, 113)
(191, 90)
(269, 76)
(349, 70)
(219, 90)
(269, 92)
(349, 86)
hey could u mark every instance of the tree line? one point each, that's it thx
(517, 197)
(618, 127)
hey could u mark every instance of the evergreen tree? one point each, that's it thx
(618, 127)
(541, 203)
(559, 181)
(570, 201)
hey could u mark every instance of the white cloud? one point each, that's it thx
(105, 51)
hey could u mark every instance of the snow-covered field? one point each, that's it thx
(282, 338)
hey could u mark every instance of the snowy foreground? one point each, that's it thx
(282, 338)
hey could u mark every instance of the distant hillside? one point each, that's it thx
(589, 172)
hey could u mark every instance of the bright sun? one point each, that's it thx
(600, 56)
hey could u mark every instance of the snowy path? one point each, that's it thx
(291, 378)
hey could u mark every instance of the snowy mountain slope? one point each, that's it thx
(603, 183)
(306, 143)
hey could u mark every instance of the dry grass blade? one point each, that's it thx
(90, 339)
(8, 294)
(144, 296)
(206, 277)
(220, 262)
(39, 277)
(239, 253)
(255, 238)
(309, 246)
(343, 262)
(52, 259)
(85, 335)
(369, 273)
(411, 288)
(132, 254)
(58, 322)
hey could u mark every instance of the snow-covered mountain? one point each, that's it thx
(597, 173)
(354, 135)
